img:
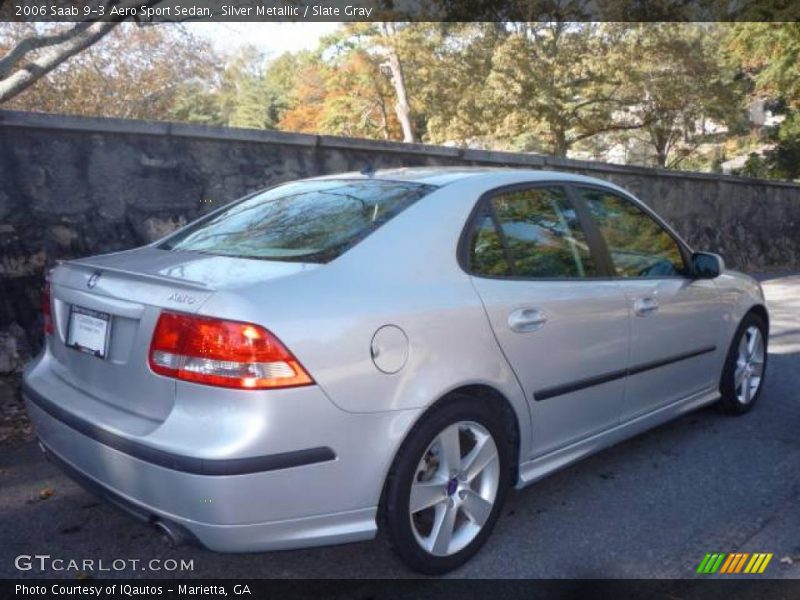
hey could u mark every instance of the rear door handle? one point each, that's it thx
(645, 306)
(524, 320)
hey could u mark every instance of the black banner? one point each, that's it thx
(158, 11)
(691, 589)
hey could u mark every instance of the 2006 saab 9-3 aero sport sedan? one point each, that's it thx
(395, 349)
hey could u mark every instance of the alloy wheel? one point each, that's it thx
(454, 488)
(749, 365)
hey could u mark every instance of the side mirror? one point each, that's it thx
(707, 265)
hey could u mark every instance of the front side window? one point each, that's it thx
(312, 221)
(539, 236)
(639, 245)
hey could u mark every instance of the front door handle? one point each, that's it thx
(645, 306)
(524, 320)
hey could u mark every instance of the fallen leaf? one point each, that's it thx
(46, 493)
(71, 529)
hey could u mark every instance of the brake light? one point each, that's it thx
(47, 309)
(222, 353)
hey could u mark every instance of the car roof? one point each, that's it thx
(442, 176)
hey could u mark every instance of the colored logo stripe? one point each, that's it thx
(734, 563)
(726, 566)
(710, 563)
(758, 563)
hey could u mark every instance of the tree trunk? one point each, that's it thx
(384, 119)
(402, 107)
(560, 143)
(660, 142)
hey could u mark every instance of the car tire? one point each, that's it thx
(745, 366)
(437, 515)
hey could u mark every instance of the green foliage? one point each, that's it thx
(783, 160)
(769, 55)
(252, 92)
(661, 93)
(196, 105)
(447, 82)
(754, 166)
(249, 92)
(562, 82)
(679, 81)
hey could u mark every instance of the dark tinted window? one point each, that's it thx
(541, 233)
(306, 220)
(639, 246)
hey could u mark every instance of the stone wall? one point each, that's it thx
(73, 186)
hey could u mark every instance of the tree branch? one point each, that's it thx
(606, 129)
(36, 42)
(52, 57)
(55, 49)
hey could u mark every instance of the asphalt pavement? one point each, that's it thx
(651, 507)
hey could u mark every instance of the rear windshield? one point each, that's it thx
(309, 221)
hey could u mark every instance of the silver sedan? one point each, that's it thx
(393, 349)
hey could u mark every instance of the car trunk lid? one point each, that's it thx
(128, 291)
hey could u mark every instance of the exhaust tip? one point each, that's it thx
(173, 534)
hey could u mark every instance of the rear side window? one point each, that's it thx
(310, 221)
(531, 233)
(638, 244)
(488, 254)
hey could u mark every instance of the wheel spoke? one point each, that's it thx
(479, 457)
(757, 368)
(743, 352)
(476, 508)
(752, 342)
(739, 376)
(450, 449)
(442, 531)
(747, 388)
(425, 494)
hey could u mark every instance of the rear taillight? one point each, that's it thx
(222, 353)
(47, 309)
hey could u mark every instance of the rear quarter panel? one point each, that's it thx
(407, 275)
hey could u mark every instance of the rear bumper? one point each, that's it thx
(313, 476)
(113, 476)
(180, 462)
